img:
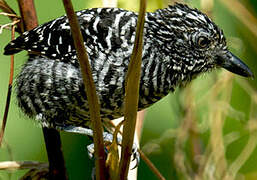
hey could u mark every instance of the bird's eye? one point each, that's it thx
(203, 42)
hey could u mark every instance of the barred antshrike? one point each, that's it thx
(179, 44)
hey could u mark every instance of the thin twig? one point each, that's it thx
(8, 14)
(132, 174)
(94, 107)
(8, 25)
(19, 165)
(57, 168)
(132, 94)
(151, 165)
(7, 9)
(9, 92)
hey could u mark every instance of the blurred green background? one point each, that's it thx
(206, 131)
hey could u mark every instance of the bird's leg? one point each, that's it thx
(77, 130)
(108, 137)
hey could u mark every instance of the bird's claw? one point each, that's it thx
(135, 156)
(107, 137)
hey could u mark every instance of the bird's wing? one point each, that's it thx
(100, 27)
(50, 39)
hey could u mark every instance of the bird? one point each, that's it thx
(179, 43)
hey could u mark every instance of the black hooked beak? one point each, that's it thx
(233, 64)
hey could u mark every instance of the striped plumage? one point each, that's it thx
(179, 43)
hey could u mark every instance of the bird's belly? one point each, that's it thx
(52, 92)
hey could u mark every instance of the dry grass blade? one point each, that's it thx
(94, 107)
(132, 95)
(9, 92)
(248, 89)
(243, 157)
(186, 133)
(6, 26)
(15, 165)
(8, 14)
(236, 8)
(11, 14)
(214, 163)
(6, 8)
(252, 141)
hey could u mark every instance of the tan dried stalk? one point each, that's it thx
(94, 107)
(132, 95)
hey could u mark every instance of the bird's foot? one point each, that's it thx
(107, 137)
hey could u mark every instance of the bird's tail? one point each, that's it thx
(23, 42)
(14, 46)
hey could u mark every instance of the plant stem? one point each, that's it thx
(94, 107)
(57, 168)
(132, 95)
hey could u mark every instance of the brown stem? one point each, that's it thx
(57, 168)
(28, 14)
(94, 107)
(151, 165)
(9, 93)
(132, 95)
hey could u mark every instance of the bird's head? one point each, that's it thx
(194, 43)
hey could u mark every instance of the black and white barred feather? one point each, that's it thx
(179, 43)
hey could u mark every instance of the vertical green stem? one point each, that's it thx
(132, 94)
(94, 107)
